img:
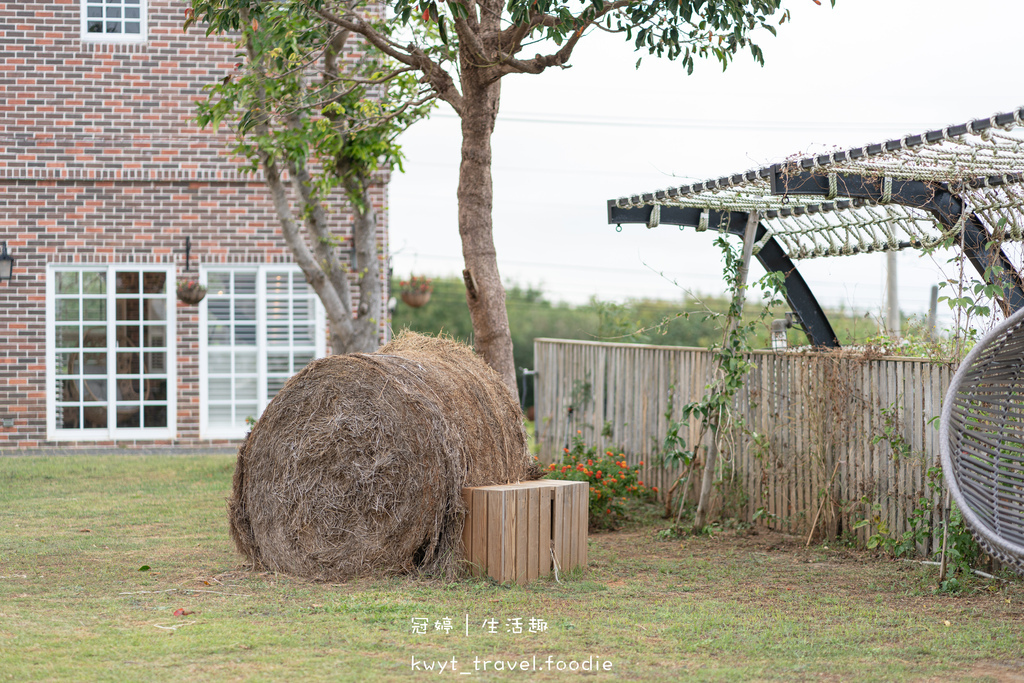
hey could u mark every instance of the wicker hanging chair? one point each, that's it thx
(981, 439)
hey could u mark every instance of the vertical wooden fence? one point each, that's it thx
(826, 438)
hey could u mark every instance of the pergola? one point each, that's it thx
(962, 182)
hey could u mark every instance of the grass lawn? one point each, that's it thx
(74, 605)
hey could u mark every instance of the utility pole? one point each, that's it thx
(932, 326)
(892, 301)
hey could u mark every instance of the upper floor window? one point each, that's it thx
(114, 20)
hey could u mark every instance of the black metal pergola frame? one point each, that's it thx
(854, 180)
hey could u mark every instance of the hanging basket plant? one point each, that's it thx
(416, 292)
(190, 292)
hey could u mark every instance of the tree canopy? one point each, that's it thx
(460, 51)
(308, 108)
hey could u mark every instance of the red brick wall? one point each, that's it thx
(101, 163)
(70, 104)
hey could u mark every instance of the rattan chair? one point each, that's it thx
(981, 439)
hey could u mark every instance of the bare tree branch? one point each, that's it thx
(315, 275)
(391, 75)
(353, 22)
(472, 6)
(317, 223)
(410, 55)
(539, 63)
(469, 41)
(513, 37)
(332, 50)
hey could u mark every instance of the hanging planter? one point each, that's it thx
(416, 292)
(415, 299)
(190, 292)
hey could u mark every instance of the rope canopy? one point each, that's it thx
(963, 182)
(909, 192)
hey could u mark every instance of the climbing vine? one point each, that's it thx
(713, 410)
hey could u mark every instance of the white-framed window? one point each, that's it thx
(110, 350)
(259, 325)
(114, 21)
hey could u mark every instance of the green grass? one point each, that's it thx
(74, 532)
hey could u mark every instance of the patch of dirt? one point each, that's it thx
(999, 672)
(783, 561)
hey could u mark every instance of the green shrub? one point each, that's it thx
(612, 481)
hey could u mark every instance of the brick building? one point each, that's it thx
(103, 176)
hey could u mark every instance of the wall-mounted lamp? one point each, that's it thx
(780, 342)
(6, 263)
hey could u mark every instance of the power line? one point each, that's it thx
(702, 124)
(560, 266)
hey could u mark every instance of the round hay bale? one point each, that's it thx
(356, 467)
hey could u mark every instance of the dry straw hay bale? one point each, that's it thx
(357, 465)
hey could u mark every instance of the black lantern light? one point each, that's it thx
(6, 263)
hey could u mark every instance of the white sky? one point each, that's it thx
(567, 141)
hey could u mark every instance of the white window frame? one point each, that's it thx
(141, 37)
(112, 432)
(319, 335)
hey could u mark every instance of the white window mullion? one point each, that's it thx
(232, 347)
(51, 355)
(261, 340)
(319, 327)
(112, 351)
(204, 369)
(290, 298)
(171, 346)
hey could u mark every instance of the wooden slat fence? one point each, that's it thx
(816, 416)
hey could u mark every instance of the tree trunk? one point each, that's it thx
(366, 265)
(485, 294)
(700, 517)
(324, 271)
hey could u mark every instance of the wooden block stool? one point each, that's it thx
(513, 530)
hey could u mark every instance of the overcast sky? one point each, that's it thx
(568, 140)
